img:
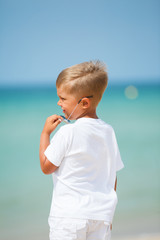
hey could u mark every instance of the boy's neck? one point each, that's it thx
(91, 114)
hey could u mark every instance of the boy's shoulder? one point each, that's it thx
(69, 128)
(84, 128)
(96, 122)
(63, 133)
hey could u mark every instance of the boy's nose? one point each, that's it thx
(59, 103)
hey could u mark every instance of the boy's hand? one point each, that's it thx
(51, 123)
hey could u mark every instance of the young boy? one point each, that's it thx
(82, 157)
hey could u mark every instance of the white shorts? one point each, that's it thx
(78, 229)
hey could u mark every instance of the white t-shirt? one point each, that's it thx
(88, 157)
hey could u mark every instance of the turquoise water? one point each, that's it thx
(26, 193)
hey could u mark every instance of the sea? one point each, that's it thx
(25, 192)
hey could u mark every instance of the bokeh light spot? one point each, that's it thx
(131, 92)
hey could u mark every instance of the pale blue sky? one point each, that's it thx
(39, 38)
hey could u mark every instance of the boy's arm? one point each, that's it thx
(50, 125)
(115, 188)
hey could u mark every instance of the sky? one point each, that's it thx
(39, 38)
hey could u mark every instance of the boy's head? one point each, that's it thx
(84, 79)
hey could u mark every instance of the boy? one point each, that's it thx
(82, 157)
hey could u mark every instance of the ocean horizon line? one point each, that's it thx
(52, 85)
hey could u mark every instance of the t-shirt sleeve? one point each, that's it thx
(55, 152)
(119, 163)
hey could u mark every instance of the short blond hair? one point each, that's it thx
(84, 79)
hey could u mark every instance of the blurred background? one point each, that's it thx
(40, 38)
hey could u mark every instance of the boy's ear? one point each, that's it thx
(85, 102)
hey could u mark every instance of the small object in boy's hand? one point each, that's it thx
(65, 119)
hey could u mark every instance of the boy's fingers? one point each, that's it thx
(58, 121)
(52, 119)
(55, 117)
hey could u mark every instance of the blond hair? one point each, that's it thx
(84, 79)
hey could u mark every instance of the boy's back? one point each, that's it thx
(88, 158)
